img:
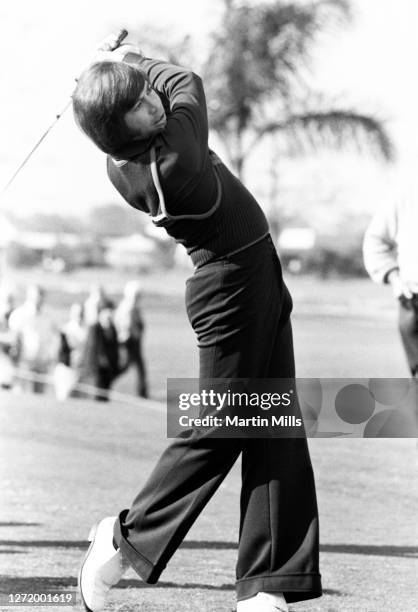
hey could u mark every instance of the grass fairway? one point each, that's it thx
(63, 466)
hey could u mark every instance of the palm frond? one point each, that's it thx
(337, 128)
(266, 51)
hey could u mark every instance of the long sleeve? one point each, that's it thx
(186, 133)
(380, 250)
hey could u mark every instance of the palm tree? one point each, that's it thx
(257, 79)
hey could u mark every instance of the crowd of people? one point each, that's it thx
(99, 341)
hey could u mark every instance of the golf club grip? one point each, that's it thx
(121, 36)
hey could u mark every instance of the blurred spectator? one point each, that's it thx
(101, 354)
(130, 327)
(75, 331)
(7, 302)
(391, 256)
(73, 337)
(64, 351)
(94, 302)
(35, 336)
(64, 375)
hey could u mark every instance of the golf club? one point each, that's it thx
(120, 37)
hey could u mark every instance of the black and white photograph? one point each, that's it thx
(209, 306)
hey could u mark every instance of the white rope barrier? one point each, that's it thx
(89, 390)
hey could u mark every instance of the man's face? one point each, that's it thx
(147, 117)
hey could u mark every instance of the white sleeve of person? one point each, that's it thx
(380, 248)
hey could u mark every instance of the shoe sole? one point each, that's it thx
(91, 538)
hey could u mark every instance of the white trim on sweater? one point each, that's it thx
(165, 214)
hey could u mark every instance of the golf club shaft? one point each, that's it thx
(121, 36)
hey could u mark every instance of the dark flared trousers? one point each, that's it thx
(239, 308)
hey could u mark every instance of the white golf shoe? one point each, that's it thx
(263, 602)
(102, 568)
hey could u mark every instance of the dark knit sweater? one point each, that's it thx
(176, 179)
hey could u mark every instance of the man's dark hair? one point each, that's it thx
(105, 92)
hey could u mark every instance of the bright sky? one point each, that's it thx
(44, 45)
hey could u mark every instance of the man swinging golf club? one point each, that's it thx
(150, 118)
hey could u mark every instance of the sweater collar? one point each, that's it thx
(133, 149)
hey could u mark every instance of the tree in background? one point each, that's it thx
(154, 41)
(257, 78)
